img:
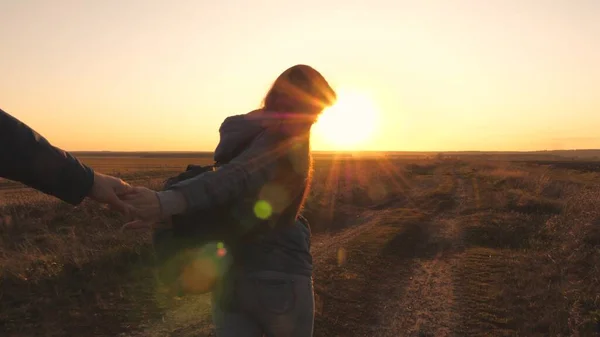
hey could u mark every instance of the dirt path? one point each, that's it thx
(430, 294)
(401, 272)
(414, 276)
(407, 288)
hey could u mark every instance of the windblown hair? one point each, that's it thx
(300, 89)
(303, 90)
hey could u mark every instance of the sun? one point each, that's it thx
(350, 123)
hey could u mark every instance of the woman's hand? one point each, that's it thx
(145, 206)
(150, 207)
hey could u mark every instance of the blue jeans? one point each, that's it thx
(271, 304)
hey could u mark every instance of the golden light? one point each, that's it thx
(349, 123)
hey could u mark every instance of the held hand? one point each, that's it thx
(145, 206)
(110, 190)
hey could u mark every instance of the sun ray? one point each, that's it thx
(350, 123)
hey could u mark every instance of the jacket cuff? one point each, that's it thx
(194, 194)
(171, 202)
(78, 181)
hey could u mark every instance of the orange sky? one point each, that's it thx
(442, 75)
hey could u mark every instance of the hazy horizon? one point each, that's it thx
(351, 151)
(440, 76)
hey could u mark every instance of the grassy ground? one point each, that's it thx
(401, 248)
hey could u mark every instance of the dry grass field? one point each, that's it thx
(402, 247)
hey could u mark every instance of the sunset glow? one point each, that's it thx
(425, 75)
(350, 122)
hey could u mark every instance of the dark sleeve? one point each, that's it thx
(27, 157)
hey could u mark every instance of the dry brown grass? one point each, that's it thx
(514, 248)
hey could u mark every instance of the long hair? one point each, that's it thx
(301, 89)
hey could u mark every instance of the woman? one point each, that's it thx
(271, 290)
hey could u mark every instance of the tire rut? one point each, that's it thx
(428, 305)
(399, 278)
(477, 275)
(478, 280)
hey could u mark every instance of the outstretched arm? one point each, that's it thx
(247, 172)
(27, 157)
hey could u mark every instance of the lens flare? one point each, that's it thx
(341, 256)
(262, 209)
(199, 276)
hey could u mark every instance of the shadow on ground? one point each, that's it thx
(100, 298)
(380, 262)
